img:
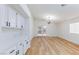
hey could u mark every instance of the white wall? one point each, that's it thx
(64, 30)
(51, 28)
(60, 29)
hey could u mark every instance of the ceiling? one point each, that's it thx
(66, 12)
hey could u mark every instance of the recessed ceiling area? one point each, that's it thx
(61, 12)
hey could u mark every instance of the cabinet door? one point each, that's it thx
(23, 22)
(20, 48)
(12, 17)
(3, 15)
(20, 21)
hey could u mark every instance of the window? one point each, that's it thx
(74, 28)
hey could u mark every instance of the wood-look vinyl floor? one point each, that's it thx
(52, 46)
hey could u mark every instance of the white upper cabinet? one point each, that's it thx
(3, 15)
(20, 21)
(7, 16)
(12, 17)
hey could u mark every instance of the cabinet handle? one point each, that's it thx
(17, 52)
(12, 51)
(7, 23)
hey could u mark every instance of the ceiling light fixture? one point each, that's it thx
(50, 18)
(44, 27)
(63, 5)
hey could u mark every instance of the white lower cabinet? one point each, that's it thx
(20, 48)
(11, 51)
(16, 50)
